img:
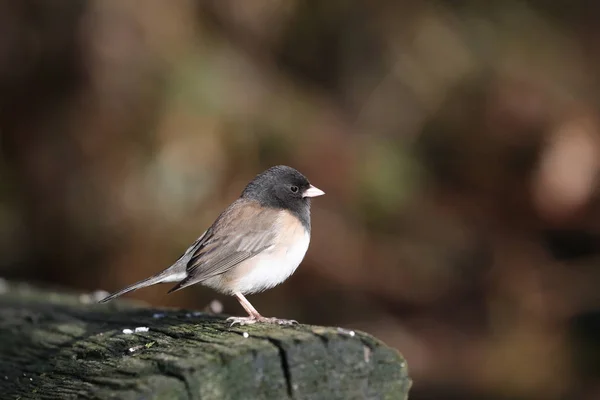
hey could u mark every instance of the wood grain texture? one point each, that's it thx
(55, 346)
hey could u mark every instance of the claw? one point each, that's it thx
(242, 320)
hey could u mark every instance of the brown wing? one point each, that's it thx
(242, 231)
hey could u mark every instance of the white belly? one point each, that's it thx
(272, 267)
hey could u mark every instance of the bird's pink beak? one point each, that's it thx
(313, 192)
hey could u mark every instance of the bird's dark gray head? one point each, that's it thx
(283, 187)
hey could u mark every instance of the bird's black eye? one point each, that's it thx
(294, 189)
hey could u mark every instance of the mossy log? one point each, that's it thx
(62, 346)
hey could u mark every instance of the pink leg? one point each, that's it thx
(248, 307)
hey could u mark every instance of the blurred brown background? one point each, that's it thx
(458, 143)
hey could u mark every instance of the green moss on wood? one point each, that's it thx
(54, 346)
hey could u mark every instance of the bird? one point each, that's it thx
(254, 244)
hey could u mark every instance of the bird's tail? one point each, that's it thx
(165, 276)
(175, 273)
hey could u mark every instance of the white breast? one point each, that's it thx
(274, 266)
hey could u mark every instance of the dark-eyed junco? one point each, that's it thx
(254, 245)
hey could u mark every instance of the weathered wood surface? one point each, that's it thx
(57, 346)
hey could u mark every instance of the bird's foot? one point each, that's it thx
(260, 319)
(242, 320)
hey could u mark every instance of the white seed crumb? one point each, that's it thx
(85, 299)
(188, 315)
(197, 313)
(141, 329)
(245, 334)
(134, 349)
(346, 332)
(127, 331)
(98, 295)
(158, 315)
(401, 365)
(31, 379)
(216, 307)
